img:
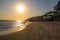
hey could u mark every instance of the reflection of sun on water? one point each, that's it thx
(20, 25)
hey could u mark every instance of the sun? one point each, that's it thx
(20, 8)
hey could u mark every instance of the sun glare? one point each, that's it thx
(21, 8)
(20, 25)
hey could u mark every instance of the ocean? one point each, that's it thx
(11, 26)
(7, 24)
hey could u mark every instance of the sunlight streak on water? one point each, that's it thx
(20, 24)
(16, 26)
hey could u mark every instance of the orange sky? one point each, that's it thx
(8, 8)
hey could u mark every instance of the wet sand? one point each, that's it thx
(36, 31)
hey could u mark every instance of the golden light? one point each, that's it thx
(20, 24)
(20, 8)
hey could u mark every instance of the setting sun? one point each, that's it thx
(20, 8)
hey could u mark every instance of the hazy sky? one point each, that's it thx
(8, 8)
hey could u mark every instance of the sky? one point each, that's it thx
(8, 8)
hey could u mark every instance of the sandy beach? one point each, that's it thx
(36, 31)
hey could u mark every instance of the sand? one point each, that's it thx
(36, 31)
